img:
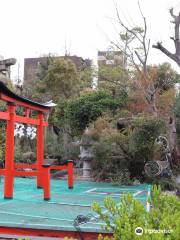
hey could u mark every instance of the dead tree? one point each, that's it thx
(175, 57)
(176, 39)
(139, 59)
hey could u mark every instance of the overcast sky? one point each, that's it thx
(30, 28)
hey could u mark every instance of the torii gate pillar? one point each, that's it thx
(9, 159)
(40, 149)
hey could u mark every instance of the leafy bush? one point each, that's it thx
(142, 142)
(122, 177)
(52, 146)
(122, 219)
(82, 111)
(89, 107)
(111, 159)
(166, 77)
(166, 183)
(120, 155)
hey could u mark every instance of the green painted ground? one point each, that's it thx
(28, 209)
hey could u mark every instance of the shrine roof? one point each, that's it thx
(13, 97)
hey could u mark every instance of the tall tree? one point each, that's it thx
(58, 79)
(115, 77)
(139, 56)
(175, 57)
(112, 79)
(176, 39)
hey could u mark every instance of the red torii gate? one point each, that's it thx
(39, 169)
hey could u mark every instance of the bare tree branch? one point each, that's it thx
(171, 10)
(176, 56)
(139, 57)
(125, 27)
(144, 81)
(165, 51)
(148, 46)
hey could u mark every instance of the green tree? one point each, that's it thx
(141, 142)
(120, 155)
(111, 155)
(83, 110)
(166, 77)
(115, 77)
(112, 79)
(58, 79)
(43, 67)
(86, 76)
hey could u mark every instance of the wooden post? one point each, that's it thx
(70, 174)
(46, 181)
(40, 150)
(9, 157)
(26, 112)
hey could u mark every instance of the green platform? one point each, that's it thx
(28, 209)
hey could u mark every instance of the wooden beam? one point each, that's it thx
(4, 116)
(49, 233)
(32, 121)
(26, 120)
(63, 167)
(25, 173)
(2, 171)
(23, 104)
(31, 166)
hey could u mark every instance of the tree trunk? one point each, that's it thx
(175, 57)
(67, 140)
(176, 39)
(173, 140)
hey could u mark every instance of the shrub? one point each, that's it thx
(142, 142)
(120, 155)
(122, 177)
(111, 159)
(82, 111)
(122, 219)
(166, 183)
(52, 146)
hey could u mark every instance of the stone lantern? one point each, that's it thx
(86, 154)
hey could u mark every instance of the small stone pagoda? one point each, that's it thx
(86, 154)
